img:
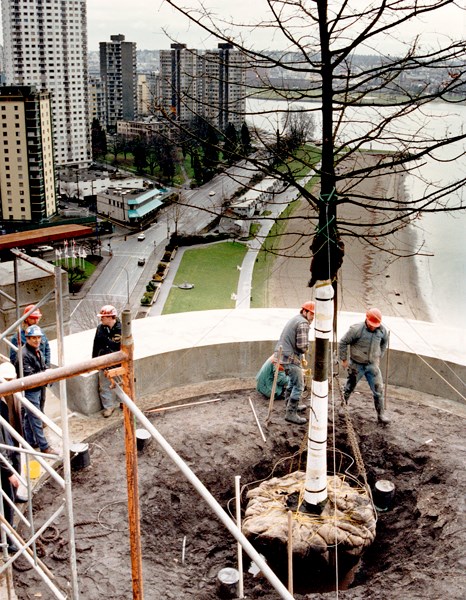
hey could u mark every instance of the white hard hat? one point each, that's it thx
(7, 371)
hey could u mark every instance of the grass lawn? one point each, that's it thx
(89, 268)
(212, 270)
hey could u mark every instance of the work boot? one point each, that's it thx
(382, 417)
(300, 407)
(291, 414)
(108, 412)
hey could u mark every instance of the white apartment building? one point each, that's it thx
(27, 176)
(178, 83)
(45, 45)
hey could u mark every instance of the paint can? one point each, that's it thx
(142, 438)
(79, 456)
(384, 492)
(34, 469)
(227, 583)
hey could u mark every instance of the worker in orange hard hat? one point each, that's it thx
(367, 342)
(107, 339)
(294, 342)
(30, 319)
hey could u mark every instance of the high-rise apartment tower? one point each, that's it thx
(45, 45)
(208, 84)
(27, 177)
(118, 71)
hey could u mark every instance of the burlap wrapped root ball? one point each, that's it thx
(348, 519)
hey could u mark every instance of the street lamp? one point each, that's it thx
(127, 287)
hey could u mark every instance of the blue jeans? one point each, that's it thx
(296, 384)
(106, 393)
(32, 425)
(373, 375)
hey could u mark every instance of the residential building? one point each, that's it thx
(178, 83)
(27, 176)
(96, 100)
(45, 45)
(119, 77)
(132, 205)
(140, 129)
(148, 93)
(209, 84)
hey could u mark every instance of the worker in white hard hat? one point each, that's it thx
(294, 341)
(107, 339)
(367, 342)
(33, 318)
(34, 362)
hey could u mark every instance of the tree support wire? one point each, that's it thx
(205, 494)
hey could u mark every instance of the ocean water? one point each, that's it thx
(442, 264)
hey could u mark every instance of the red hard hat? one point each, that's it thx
(108, 311)
(374, 317)
(310, 306)
(36, 313)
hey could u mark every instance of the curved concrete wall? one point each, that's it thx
(190, 348)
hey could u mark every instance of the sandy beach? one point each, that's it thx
(370, 276)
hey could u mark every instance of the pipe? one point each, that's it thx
(238, 524)
(206, 495)
(52, 375)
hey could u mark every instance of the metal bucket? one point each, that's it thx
(227, 583)
(79, 456)
(142, 438)
(384, 492)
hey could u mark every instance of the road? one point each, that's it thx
(117, 282)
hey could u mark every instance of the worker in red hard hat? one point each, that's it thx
(32, 318)
(107, 339)
(367, 342)
(294, 342)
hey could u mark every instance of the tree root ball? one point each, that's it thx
(348, 518)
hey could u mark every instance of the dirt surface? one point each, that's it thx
(418, 551)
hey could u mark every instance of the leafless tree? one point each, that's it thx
(332, 62)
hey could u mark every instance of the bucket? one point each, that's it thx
(34, 469)
(79, 456)
(384, 492)
(142, 438)
(227, 583)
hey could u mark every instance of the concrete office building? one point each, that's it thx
(118, 71)
(45, 44)
(27, 176)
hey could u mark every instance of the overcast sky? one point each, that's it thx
(144, 21)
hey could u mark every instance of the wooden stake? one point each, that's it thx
(290, 552)
(386, 373)
(257, 420)
(186, 405)
(274, 384)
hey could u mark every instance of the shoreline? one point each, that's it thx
(369, 276)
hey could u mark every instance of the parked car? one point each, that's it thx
(141, 261)
(41, 249)
(212, 193)
(141, 237)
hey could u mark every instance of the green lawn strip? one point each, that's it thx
(89, 268)
(213, 272)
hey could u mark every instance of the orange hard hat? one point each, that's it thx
(36, 313)
(374, 317)
(310, 306)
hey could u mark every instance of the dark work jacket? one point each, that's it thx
(107, 339)
(33, 362)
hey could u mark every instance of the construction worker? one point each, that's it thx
(294, 341)
(34, 362)
(368, 342)
(32, 319)
(266, 375)
(107, 340)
